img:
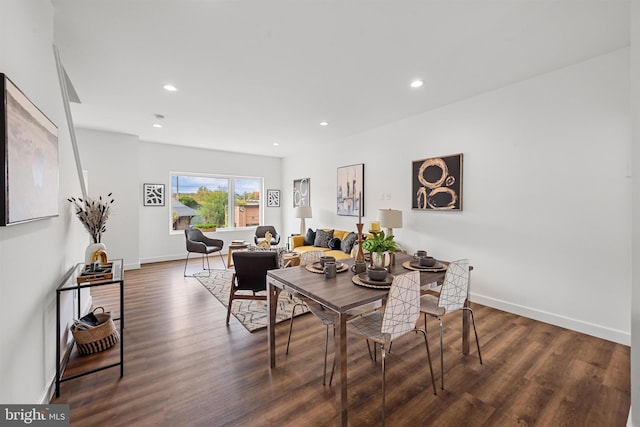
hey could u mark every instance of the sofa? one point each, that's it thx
(337, 243)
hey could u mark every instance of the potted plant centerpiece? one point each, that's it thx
(380, 246)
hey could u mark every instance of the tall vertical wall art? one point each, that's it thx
(437, 183)
(301, 192)
(350, 190)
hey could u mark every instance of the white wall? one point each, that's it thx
(35, 256)
(122, 163)
(111, 162)
(635, 300)
(547, 211)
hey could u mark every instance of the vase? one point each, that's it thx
(380, 259)
(91, 249)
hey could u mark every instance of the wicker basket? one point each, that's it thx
(93, 339)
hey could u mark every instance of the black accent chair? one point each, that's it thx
(261, 230)
(251, 275)
(201, 244)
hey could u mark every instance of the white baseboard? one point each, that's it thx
(620, 337)
(629, 421)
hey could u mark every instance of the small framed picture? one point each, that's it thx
(153, 194)
(273, 198)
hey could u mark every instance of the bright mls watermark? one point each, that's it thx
(34, 415)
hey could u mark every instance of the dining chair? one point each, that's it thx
(398, 319)
(453, 294)
(197, 242)
(251, 275)
(328, 317)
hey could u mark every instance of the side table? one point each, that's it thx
(235, 247)
(69, 284)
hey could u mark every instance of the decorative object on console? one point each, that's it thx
(29, 157)
(153, 194)
(350, 188)
(302, 193)
(437, 183)
(302, 212)
(93, 214)
(273, 198)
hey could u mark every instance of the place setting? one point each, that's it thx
(319, 266)
(374, 277)
(422, 262)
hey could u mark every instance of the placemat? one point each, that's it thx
(315, 267)
(357, 280)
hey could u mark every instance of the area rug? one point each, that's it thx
(252, 314)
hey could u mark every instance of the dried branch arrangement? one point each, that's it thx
(93, 214)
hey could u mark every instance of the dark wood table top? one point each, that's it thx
(340, 293)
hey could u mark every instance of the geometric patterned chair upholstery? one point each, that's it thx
(453, 294)
(400, 314)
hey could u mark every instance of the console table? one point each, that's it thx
(69, 283)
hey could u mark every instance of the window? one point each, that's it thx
(224, 201)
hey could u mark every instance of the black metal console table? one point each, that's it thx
(69, 284)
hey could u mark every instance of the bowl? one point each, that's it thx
(377, 273)
(427, 261)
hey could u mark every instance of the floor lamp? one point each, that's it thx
(303, 212)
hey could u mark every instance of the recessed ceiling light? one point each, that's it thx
(275, 144)
(416, 83)
(157, 125)
(170, 88)
(324, 123)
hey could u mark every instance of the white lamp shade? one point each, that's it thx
(303, 211)
(390, 218)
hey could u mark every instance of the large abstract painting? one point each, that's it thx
(350, 199)
(437, 183)
(29, 156)
(301, 192)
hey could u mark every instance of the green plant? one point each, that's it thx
(380, 243)
(205, 226)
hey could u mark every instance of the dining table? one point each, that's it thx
(341, 294)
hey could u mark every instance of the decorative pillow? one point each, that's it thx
(334, 243)
(347, 242)
(310, 238)
(322, 238)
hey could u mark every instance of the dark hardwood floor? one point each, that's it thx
(185, 367)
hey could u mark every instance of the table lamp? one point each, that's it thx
(390, 218)
(303, 212)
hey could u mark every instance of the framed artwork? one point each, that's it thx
(437, 183)
(29, 157)
(301, 192)
(273, 198)
(350, 200)
(153, 194)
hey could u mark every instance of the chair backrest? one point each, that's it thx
(403, 305)
(456, 286)
(251, 269)
(310, 257)
(194, 234)
(262, 229)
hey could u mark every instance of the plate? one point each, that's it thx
(316, 267)
(362, 279)
(416, 264)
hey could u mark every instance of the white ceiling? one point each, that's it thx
(254, 72)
